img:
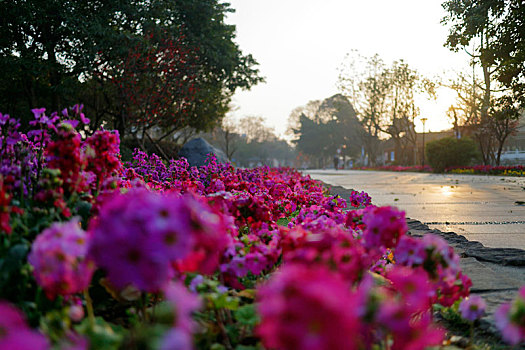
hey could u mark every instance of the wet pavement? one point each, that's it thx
(488, 209)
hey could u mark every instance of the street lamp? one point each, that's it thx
(423, 120)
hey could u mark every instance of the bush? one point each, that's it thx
(449, 152)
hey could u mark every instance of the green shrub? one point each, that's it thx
(449, 151)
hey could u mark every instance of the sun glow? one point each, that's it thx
(435, 111)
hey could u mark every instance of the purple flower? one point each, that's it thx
(472, 308)
(176, 338)
(510, 319)
(138, 236)
(77, 109)
(38, 112)
(410, 251)
(195, 282)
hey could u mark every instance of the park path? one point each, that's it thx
(481, 208)
(458, 201)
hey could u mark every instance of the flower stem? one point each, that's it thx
(89, 307)
(471, 341)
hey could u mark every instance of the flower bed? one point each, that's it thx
(96, 253)
(517, 170)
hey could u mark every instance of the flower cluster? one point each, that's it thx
(250, 242)
(360, 199)
(384, 226)
(102, 154)
(140, 235)
(440, 262)
(59, 259)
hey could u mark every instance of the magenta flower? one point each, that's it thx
(410, 251)
(308, 308)
(59, 259)
(140, 236)
(472, 308)
(38, 112)
(414, 286)
(77, 109)
(384, 226)
(510, 319)
(14, 332)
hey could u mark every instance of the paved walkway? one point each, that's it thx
(482, 208)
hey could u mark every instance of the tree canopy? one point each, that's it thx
(51, 50)
(323, 127)
(384, 97)
(492, 32)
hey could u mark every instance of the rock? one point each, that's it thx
(504, 256)
(196, 151)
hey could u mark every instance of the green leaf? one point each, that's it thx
(217, 346)
(283, 222)
(247, 315)
(224, 301)
(246, 347)
(15, 258)
(102, 335)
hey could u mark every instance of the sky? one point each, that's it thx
(301, 44)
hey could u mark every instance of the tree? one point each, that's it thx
(155, 84)
(249, 142)
(253, 128)
(51, 49)
(332, 126)
(385, 100)
(226, 137)
(491, 27)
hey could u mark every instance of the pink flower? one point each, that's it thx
(139, 237)
(440, 262)
(59, 259)
(414, 286)
(14, 332)
(472, 308)
(184, 304)
(308, 308)
(384, 226)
